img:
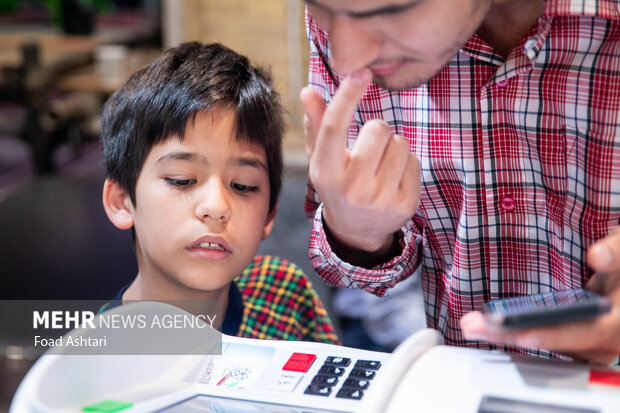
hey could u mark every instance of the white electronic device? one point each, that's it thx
(295, 377)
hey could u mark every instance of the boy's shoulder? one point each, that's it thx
(269, 272)
(280, 303)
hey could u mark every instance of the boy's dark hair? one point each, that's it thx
(157, 102)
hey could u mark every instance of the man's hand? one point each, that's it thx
(369, 192)
(596, 340)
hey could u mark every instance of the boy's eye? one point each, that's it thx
(181, 183)
(243, 188)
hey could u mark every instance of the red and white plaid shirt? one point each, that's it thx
(520, 164)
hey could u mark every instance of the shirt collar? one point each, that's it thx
(608, 9)
(533, 41)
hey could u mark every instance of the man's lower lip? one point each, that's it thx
(387, 70)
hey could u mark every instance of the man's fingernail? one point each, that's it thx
(361, 76)
(602, 255)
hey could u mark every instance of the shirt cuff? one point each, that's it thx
(336, 272)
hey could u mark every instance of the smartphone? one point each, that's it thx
(545, 309)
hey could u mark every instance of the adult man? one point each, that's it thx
(511, 112)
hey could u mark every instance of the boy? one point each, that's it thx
(192, 149)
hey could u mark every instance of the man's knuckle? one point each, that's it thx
(329, 126)
(378, 128)
(413, 166)
(315, 174)
(402, 144)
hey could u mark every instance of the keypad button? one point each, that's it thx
(331, 370)
(350, 394)
(299, 362)
(338, 361)
(356, 384)
(318, 390)
(286, 382)
(325, 380)
(362, 374)
(368, 364)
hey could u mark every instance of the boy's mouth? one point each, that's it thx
(210, 249)
(210, 246)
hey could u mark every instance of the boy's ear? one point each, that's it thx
(269, 222)
(117, 205)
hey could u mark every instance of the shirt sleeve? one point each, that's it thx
(338, 273)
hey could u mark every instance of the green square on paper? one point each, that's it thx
(107, 406)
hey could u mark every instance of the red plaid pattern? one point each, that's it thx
(520, 164)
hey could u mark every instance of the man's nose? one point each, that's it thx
(354, 43)
(213, 203)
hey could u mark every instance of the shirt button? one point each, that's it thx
(529, 44)
(502, 83)
(508, 204)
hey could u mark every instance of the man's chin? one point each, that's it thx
(397, 83)
(409, 77)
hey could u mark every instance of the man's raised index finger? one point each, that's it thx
(332, 138)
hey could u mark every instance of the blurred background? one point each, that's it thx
(59, 61)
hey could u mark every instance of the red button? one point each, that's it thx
(609, 377)
(508, 204)
(299, 362)
(502, 83)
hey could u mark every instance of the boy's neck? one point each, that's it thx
(196, 302)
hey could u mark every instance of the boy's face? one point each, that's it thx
(202, 205)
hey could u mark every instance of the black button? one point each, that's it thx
(350, 394)
(331, 370)
(337, 361)
(356, 384)
(368, 364)
(325, 380)
(318, 390)
(362, 374)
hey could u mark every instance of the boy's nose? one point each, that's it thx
(354, 44)
(213, 203)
